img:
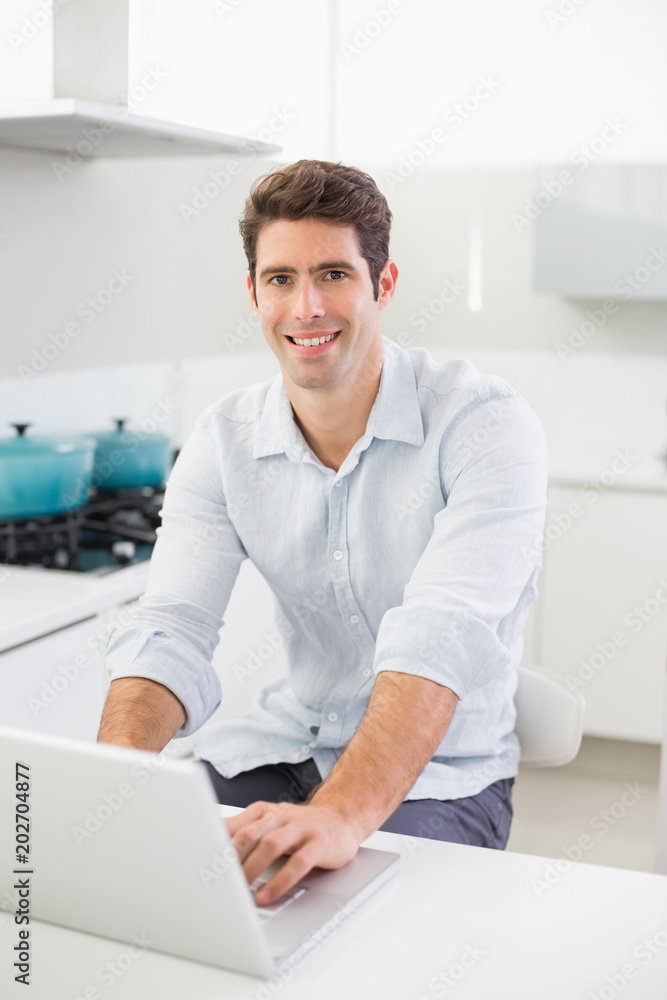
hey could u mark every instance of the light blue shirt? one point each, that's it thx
(420, 555)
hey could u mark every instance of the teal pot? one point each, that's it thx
(129, 459)
(44, 475)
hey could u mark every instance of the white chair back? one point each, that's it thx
(550, 718)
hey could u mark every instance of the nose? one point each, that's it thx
(308, 302)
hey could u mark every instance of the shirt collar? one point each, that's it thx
(396, 412)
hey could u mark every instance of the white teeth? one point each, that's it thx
(314, 341)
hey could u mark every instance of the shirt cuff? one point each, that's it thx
(447, 645)
(135, 653)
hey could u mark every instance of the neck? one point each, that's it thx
(332, 420)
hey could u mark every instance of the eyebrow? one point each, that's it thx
(332, 265)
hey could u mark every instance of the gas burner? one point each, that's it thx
(128, 514)
(50, 542)
(115, 528)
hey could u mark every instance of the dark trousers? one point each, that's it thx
(481, 820)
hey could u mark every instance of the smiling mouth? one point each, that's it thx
(314, 341)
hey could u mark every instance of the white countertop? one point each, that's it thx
(526, 929)
(35, 602)
(645, 475)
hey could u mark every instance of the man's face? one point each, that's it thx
(312, 282)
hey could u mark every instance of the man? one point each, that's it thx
(396, 508)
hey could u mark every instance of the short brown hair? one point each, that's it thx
(328, 192)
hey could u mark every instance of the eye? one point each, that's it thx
(341, 274)
(279, 279)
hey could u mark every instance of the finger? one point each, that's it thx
(247, 839)
(275, 844)
(298, 866)
(248, 815)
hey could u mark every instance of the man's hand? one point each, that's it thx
(406, 718)
(313, 835)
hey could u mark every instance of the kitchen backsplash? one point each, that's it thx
(590, 406)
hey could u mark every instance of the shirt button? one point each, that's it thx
(339, 482)
(354, 619)
(337, 554)
(367, 672)
(332, 717)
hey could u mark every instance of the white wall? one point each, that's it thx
(555, 79)
(392, 70)
(184, 272)
(231, 65)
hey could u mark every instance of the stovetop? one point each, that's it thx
(115, 528)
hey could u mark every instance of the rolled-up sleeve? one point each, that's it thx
(484, 552)
(170, 636)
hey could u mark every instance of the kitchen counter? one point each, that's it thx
(35, 602)
(623, 470)
(511, 927)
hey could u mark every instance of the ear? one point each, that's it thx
(251, 293)
(387, 283)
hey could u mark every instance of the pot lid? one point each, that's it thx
(124, 436)
(22, 444)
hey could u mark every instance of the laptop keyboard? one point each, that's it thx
(264, 912)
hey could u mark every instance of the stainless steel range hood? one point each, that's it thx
(90, 128)
(87, 112)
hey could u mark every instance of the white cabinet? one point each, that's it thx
(602, 615)
(603, 234)
(56, 683)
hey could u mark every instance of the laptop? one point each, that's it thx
(131, 845)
